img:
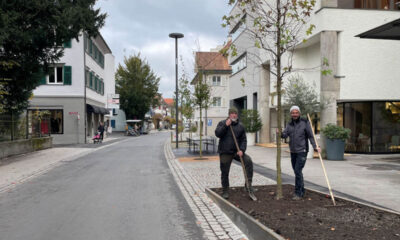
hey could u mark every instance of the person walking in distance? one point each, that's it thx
(101, 130)
(299, 131)
(227, 149)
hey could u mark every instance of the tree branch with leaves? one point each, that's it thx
(275, 27)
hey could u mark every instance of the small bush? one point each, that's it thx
(251, 120)
(193, 129)
(332, 131)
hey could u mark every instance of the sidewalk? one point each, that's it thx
(18, 169)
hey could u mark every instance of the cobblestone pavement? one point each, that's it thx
(208, 174)
(192, 178)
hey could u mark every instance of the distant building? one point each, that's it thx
(215, 71)
(79, 82)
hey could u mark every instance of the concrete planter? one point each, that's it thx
(24, 146)
(254, 229)
(247, 224)
(334, 149)
(251, 139)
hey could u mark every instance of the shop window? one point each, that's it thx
(386, 127)
(46, 121)
(358, 117)
(377, 4)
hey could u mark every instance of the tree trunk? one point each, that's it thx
(279, 194)
(201, 129)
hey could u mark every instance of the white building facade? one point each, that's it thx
(75, 92)
(362, 90)
(215, 71)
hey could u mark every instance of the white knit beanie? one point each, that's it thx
(295, 108)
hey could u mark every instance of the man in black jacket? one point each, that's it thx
(299, 131)
(227, 149)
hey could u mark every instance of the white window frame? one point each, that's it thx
(55, 75)
(215, 101)
(216, 80)
(239, 64)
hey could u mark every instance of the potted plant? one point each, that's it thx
(335, 137)
(252, 123)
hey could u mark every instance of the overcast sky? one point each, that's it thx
(134, 26)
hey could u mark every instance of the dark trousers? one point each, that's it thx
(298, 162)
(225, 165)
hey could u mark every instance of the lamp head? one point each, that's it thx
(176, 35)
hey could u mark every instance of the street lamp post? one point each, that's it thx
(176, 36)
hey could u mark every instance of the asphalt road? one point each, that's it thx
(124, 191)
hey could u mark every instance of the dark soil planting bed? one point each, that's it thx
(315, 217)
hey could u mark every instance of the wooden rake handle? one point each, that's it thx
(241, 159)
(322, 163)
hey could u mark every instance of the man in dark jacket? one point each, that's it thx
(299, 131)
(227, 149)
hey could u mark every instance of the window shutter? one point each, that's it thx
(67, 75)
(96, 84)
(41, 76)
(102, 88)
(90, 46)
(68, 44)
(90, 79)
(85, 43)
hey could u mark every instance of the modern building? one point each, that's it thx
(75, 92)
(362, 90)
(213, 68)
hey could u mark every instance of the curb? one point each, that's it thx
(209, 217)
(253, 229)
(257, 231)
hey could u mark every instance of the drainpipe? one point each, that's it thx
(84, 88)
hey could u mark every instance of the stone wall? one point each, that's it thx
(24, 146)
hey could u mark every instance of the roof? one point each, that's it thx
(212, 61)
(169, 101)
(389, 31)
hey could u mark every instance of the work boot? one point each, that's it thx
(249, 189)
(225, 193)
(296, 198)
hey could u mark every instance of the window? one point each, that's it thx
(94, 51)
(377, 4)
(56, 75)
(216, 80)
(239, 27)
(216, 102)
(239, 63)
(46, 121)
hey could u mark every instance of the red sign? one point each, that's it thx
(73, 113)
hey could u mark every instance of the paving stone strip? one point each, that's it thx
(215, 224)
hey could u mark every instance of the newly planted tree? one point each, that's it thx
(276, 27)
(202, 96)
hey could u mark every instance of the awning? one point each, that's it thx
(389, 31)
(95, 109)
